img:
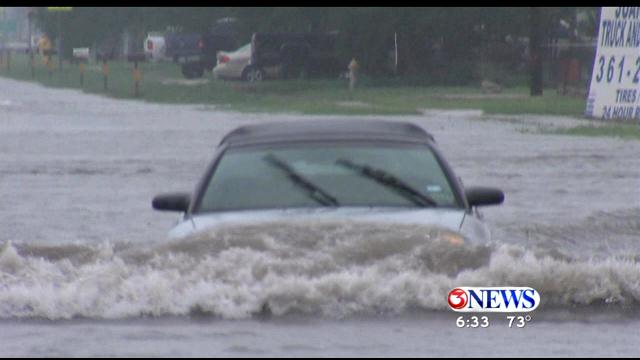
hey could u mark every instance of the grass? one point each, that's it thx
(623, 131)
(300, 96)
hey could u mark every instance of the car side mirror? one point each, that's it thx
(483, 196)
(172, 202)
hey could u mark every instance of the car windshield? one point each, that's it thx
(356, 175)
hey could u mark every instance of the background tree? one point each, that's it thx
(448, 45)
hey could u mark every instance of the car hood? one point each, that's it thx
(444, 218)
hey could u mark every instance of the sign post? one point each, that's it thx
(395, 43)
(104, 57)
(535, 54)
(48, 53)
(137, 74)
(82, 56)
(3, 31)
(30, 15)
(614, 92)
(105, 73)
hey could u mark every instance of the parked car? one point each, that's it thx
(236, 65)
(233, 65)
(154, 46)
(331, 169)
(198, 52)
(281, 55)
(296, 55)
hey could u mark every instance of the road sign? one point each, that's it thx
(615, 82)
(81, 53)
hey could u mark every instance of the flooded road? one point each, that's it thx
(86, 269)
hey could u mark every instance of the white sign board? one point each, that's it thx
(81, 53)
(615, 81)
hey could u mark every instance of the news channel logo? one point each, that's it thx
(507, 299)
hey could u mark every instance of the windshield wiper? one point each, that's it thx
(313, 190)
(391, 181)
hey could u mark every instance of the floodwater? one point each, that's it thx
(86, 268)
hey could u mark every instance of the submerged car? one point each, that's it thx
(361, 170)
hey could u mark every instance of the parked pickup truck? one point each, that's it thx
(296, 55)
(197, 52)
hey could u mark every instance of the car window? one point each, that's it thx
(246, 179)
(245, 48)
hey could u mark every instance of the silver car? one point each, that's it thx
(236, 65)
(335, 169)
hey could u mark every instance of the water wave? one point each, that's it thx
(328, 269)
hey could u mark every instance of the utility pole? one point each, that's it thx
(395, 43)
(59, 40)
(59, 9)
(535, 55)
(4, 34)
(31, 56)
(29, 16)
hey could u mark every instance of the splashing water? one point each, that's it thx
(330, 269)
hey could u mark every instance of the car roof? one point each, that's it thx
(326, 129)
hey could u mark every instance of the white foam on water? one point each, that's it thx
(328, 269)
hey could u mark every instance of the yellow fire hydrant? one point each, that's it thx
(44, 47)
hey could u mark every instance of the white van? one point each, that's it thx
(154, 46)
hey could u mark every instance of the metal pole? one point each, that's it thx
(395, 40)
(535, 53)
(29, 29)
(33, 66)
(7, 50)
(136, 78)
(60, 40)
(105, 72)
(49, 65)
(33, 71)
(81, 73)
(4, 35)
